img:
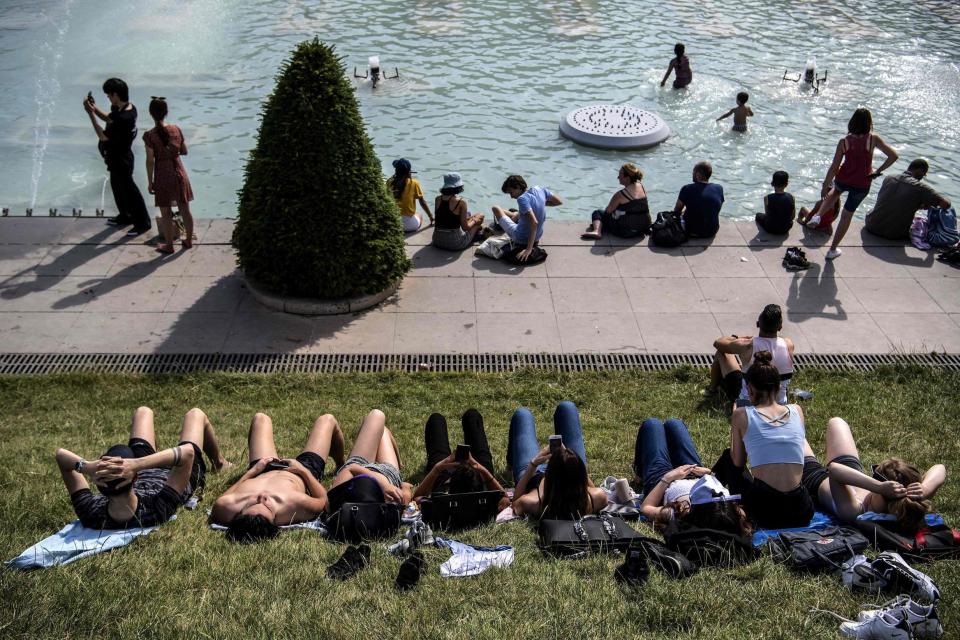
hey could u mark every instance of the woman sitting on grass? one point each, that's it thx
(455, 228)
(772, 438)
(551, 484)
(677, 486)
(895, 486)
(446, 474)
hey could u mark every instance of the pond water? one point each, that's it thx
(482, 87)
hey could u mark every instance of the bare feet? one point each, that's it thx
(221, 465)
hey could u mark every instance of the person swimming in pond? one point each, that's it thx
(740, 112)
(681, 64)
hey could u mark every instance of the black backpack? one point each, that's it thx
(823, 550)
(929, 543)
(709, 547)
(458, 511)
(358, 511)
(600, 533)
(667, 231)
(536, 256)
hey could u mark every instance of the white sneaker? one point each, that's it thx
(814, 222)
(923, 619)
(857, 573)
(882, 626)
(902, 578)
(832, 254)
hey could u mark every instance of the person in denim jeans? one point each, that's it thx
(669, 469)
(553, 485)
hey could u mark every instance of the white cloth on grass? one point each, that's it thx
(468, 560)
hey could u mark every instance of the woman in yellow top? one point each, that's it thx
(406, 191)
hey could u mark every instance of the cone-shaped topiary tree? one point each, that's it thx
(315, 219)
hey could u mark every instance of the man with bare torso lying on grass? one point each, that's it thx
(278, 491)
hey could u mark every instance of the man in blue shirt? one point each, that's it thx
(700, 203)
(525, 226)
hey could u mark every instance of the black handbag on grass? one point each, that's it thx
(601, 533)
(357, 521)
(458, 511)
(822, 550)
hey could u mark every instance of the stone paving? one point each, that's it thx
(75, 285)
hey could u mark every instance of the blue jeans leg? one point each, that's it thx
(680, 444)
(566, 422)
(651, 456)
(522, 445)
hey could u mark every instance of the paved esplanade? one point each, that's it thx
(75, 285)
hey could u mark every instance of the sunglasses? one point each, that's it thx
(157, 98)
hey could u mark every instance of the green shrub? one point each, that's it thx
(315, 219)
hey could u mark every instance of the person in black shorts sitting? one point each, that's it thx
(278, 491)
(779, 208)
(139, 486)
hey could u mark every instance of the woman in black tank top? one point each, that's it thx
(455, 228)
(629, 205)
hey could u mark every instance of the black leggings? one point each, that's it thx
(767, 507)
(438, 444)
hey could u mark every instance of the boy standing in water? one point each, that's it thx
(682, 66)
(740, 112)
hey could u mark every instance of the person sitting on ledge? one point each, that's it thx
(700, 203)
(139, 486)
(899, 199)
(274, 491)
(630, 200)
(779, 208)
(726, 372)
(525, 227)
(455, 228)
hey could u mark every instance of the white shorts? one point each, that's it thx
(411, 223)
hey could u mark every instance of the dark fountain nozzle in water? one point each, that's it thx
(373, 72)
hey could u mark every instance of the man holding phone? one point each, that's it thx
(276, 491)
(116, 142)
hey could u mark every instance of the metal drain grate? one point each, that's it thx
(43, 363)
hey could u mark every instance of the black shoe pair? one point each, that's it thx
(355, 558)
(795, 259)
(118, 221)
(634, 571)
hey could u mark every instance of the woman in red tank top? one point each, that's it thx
(852, 171)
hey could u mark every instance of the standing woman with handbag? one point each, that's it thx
(166, 177)
(551, 484)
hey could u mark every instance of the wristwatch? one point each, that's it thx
(78, 465)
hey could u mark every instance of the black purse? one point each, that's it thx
(600, 533)
(458, 511)
(356, 521)
(667, 230)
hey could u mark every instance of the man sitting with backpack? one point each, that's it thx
(275, 492)
(900, 197)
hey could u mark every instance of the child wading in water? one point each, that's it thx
(682, 66)
(740, 112)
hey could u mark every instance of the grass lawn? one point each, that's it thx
(187, 581)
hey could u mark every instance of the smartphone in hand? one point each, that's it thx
(463, 453)
(556, 443)
(277, 465)
(90, 97)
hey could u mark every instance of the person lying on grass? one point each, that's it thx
(139, 486)
(676, 485)
(894, 486)
(276, 491)
(552, 482)
(373, 468)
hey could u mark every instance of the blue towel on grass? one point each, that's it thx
(74, 542)
(819, 521)
(931, 519)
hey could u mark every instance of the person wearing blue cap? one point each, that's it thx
(407, 192)
(140, 486)
(455, 226)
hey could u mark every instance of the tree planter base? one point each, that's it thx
(315, 306)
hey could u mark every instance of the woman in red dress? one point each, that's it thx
(166, 178)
